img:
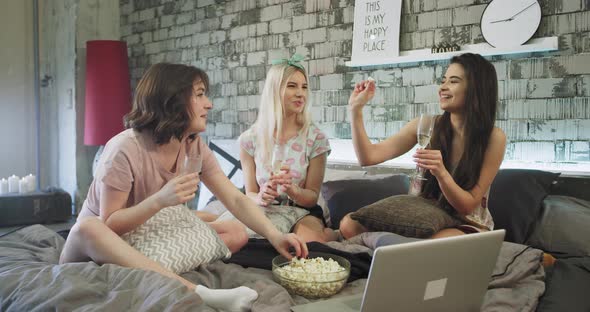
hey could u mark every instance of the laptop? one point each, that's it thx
(445, 274)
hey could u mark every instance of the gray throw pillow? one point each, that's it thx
(562, 227)
(407, 215)
(348, 195)
(176, 238)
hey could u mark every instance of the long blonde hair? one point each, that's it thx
(270, 113)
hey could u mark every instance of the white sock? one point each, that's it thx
(238, 299)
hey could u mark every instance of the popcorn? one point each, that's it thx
(312, 278)
(371, 78)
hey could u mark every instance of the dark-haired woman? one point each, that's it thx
(139, 175)
(465, 151)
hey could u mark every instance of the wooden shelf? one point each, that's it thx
(421, 55)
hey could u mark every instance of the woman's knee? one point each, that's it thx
(349, 227)
(90, 228)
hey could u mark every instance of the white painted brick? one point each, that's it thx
(554, 108)
(224, 130)
(184, 42)
(582, 21)
(543, 151)
(572, 64)
(256, 58)
(152, 48)
(176, 31)
(423, 39)
(295, 39)
(551, 87)
(217, 36)
(238, 32)
(261, 29)
(529, 68)
(160, 34)
(185, 18)
(228, 20)
(331, 82)
(147, 14)
(321, 66)
(396, 95)
(583, 86)
(189, 5)
(426, 94)
(276, 54)
(512, 89)
(326, 49)
(167, 20)
(287, 9)
(314, 35)
(203, 3)
(280, 26)
(468, 15)
(348, 15)
(375, 129)
(445, 4)
(305, 21)
(415, 76)
(316, 5)
(427, 5)
(200, 39)
(229, 116)
(133, 39)
(253, 101)
(191, 29)
(340, 33)
(270, 13)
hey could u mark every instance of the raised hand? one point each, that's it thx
(363, 92)
(178, 190)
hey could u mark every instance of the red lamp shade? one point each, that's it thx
(108, 90)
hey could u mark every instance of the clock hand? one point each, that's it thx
(513, 16)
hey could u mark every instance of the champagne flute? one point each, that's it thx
(423, 134)
(278, 156)
(193, 162)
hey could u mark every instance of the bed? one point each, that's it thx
(32, 280)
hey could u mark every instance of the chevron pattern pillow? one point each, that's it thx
(176, 238)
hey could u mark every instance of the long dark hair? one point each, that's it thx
(162, 100)
(481, 100)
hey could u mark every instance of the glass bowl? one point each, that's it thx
(317, 284)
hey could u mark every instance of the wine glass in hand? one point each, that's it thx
(423, 134)
(192, 163)
(278, 156)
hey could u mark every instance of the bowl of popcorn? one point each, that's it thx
(321, 275)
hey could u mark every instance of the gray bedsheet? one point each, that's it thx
(31, 280)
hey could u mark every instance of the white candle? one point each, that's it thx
(23, 185)
(3, 186)
(32, 182)
(13, 184)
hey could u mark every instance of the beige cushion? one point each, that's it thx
(407, 215)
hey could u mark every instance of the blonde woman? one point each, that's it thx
(284, 120)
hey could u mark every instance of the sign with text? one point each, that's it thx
(376, 30)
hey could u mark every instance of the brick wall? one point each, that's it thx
(544, 97)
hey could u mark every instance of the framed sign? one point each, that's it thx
(376, 30)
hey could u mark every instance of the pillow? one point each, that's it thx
(283, 217)
(406, 215)
(515, 200)
(178, 239)
(345, 196)
(563, 226)
(332, 175)
(566, 286)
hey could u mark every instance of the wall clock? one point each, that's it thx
(510, 23)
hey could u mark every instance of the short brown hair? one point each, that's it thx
(161, 103)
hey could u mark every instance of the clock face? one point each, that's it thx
(510, 23)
